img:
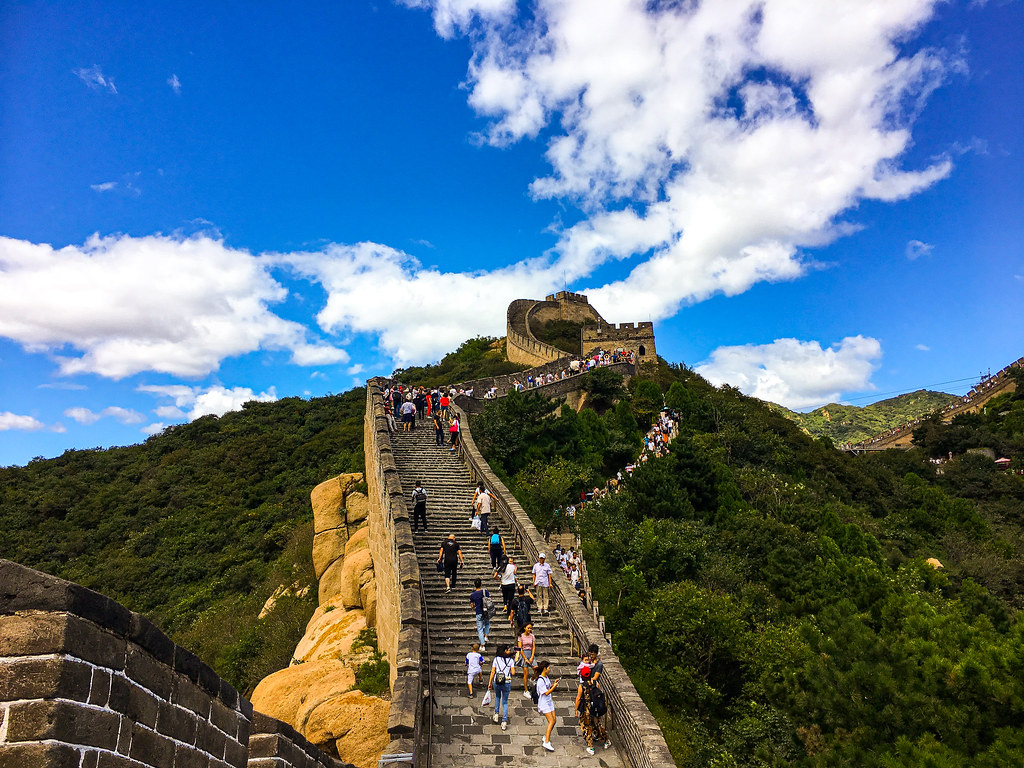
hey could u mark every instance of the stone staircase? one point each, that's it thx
(464, 733)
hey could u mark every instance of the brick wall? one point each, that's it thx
(520, 344)
(399, 604)
(86, 683)
(635, 726)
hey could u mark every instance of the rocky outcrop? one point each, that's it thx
(315, 694)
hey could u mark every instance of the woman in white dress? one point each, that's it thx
(545, 705)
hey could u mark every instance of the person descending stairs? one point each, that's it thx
(464, 732)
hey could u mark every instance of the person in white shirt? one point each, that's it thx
(545, 704)
(542, 582)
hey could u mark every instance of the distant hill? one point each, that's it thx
(851, 423)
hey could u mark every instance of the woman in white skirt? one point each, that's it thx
(545, 705)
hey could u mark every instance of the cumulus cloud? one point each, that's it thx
(164, 304)
(10, 420)
(715, 139)
(916, 249)
(106, 186)
(707, 144)
(200, 401)
(93, 77)
(796, 374)
(175, 83)
(153, 429)
(87, 416)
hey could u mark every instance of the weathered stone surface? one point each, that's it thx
(328, 499)
(331, 583)
(357, 567)
(328, 547)
(368, 598)
(357, 724)
(357, 508)
(359, 539)
(330, 632)
(290, 694)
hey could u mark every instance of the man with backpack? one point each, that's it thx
(484, 608)
(419, 507)
(519, 611)
(591, 708)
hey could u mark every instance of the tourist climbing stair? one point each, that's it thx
(464, 733)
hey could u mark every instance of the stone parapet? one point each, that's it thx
(399, 603)
(520, 343)
(644, 744)
(557, 388)
(86, 682)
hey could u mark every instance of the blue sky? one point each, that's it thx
(202, 204)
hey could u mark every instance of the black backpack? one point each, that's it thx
(420, 496)
(533, 692)
(522, 612)
(598, 705)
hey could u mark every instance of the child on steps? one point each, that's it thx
(474, 666)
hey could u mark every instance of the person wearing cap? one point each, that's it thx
(542, 583)
(590, 723)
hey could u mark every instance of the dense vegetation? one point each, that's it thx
(195, 527)
(476, 358)
(852, 424)
(564, 334)
(770, 595)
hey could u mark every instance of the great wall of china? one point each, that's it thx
(973, 401)
(85, 683)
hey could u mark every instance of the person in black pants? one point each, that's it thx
(450, 556)
(419, 507)
(438, 429)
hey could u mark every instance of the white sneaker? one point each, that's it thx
(590, 750)
(607, 744)
(504, 725)
(526, 695)
(548, 747)
(495, 718)
(482, 649)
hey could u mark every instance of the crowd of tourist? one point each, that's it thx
(407, 404)
(595, 359)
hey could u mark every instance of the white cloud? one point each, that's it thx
(86, 416)
(153, 429)
(123, 415)
(793, 373)
(169, 412)
(355, 369)
(175, 83)
(923, 348)
(82, 415)
(450, 14)
(93, 77)
(216, 400)
(10, 420)
(164, 304)
(220, 400)
(916, 249)
(59, 428)
(106, 186)
(719, 137)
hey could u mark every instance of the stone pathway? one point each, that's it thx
(464, 733)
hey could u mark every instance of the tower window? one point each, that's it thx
(642, 350)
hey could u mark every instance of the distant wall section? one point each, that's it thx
(638, 338)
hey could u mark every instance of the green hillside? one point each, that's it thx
(195, 527)
(851, 423)
(769, 595)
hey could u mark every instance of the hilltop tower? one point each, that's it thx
(595, 332)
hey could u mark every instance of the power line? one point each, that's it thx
(901, 391)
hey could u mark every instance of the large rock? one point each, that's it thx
(292, 694)
(356, 723)
(328, 547)
(357, 508)
(356, 570)
(330, 633)
(328, 499)
(331, 581)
